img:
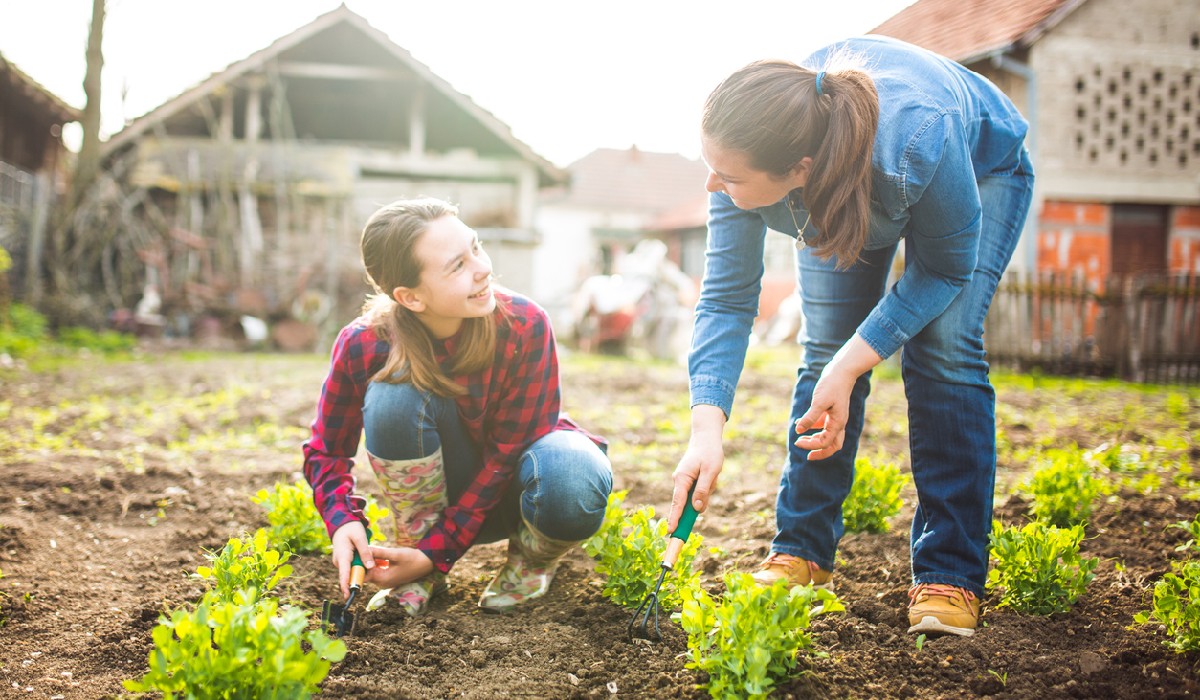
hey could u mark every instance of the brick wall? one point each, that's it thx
(1075, 236)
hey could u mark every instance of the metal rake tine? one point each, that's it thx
(648, 607)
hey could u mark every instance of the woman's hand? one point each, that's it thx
(829, 411)
(830, 407)
(348, 539)
(700, 465)
(405, 565)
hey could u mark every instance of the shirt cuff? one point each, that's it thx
(884, 337)
(712, 391)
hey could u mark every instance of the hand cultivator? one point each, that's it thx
(338, 618)
(650, 606)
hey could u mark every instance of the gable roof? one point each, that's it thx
(969, 30)
(55, 108)
(631, 179)
(341, 16)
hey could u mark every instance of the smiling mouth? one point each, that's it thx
(479, 295)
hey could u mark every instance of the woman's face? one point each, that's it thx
(729, 171)
(456, 278)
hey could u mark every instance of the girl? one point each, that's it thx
(455, 384)
(870, 141)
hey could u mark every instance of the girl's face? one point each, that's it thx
(456, 278)
(729, 171)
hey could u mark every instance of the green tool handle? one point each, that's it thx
(358, 571)
(686, 519)
(682, 531)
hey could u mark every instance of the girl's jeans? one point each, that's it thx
(951, 405)
(562, 482)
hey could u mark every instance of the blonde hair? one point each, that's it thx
(388, 252)
(773, 113)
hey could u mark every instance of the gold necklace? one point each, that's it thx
(800, 244)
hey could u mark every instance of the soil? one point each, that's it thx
(91, 556)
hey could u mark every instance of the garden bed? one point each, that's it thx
(119, 475)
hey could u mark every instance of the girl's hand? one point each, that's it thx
(405, 565)
(348, 539)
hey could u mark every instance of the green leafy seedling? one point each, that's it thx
(1038, 568)
(1064, 489)
(1176, 606)
(245, 647)
(245, 564)
(749, 639)
(629, 549)
(874, 496)
(294, 519)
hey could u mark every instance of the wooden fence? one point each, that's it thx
(1142, 328)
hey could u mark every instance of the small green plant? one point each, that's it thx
(1002, 677)
(245, 564)
(1064, 489)
(629, 551)
(1038, 568)
(1192, 527)
(295, 522)
(22, 330)
(1177, 606)
(105, 342)
(874, 497)
(750, 638)
(920, 642)
(246, 647)
(294, 519)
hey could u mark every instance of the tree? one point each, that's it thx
(75, 249)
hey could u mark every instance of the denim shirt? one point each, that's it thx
(941, 128)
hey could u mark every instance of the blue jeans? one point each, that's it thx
(562, 482)
(951, 405)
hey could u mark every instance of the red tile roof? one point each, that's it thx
(965, 30)
(633, 180)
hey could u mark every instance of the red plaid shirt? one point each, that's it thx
(508, 407)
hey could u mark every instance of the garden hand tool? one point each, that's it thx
(339, 616)
(675, 544)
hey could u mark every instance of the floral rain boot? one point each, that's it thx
(415, 490)
(528, 571)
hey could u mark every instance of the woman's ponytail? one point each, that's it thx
(838, 191)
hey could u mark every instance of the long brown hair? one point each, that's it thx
(388, 243)
(771, 111)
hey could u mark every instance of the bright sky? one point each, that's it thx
(567, 77)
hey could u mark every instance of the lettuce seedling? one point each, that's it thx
(1038, 568)
(874, 497)
(246, 647)
(245, 564)
(1177, 606)
(1064, 489)
(295, 522)
(294, 519)
(750, 638)
(629, 551)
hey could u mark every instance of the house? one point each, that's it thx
(1112, 93)
(32, 166)
(685, 230)
(258, 180)
(610, 203)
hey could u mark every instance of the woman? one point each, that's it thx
(870, 141)
(455, 383)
